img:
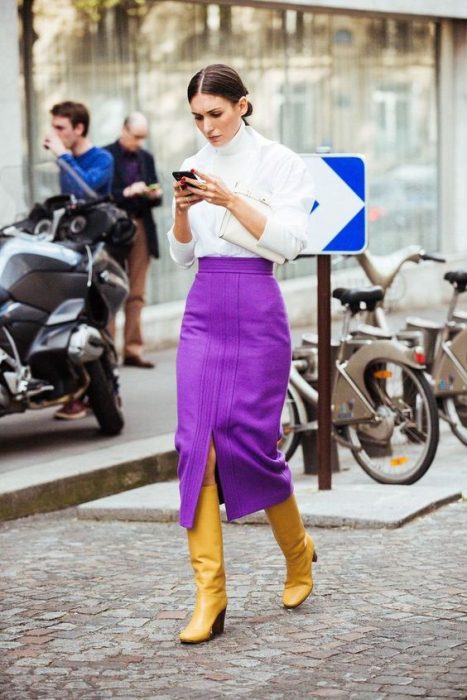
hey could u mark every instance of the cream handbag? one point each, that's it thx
(233, 231)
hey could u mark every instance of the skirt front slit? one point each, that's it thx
(233, 365)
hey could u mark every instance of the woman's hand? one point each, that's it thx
(184, 198)
(214, 191)
(211, 190)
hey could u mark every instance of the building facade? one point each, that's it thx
(385, 78)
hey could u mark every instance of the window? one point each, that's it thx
(357, 84)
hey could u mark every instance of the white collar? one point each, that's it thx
(238, 143)
(251, 140)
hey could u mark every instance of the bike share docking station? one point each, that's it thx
(337, 226)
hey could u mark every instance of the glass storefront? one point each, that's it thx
(358, 85)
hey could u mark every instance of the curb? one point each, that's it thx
(344, 507)
(82, 478)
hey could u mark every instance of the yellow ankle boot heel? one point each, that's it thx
(298, 549)
(206, 553)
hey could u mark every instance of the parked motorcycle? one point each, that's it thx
(59, 286)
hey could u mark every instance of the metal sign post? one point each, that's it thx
(324, 373)
(337, 226)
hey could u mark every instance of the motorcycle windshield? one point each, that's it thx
(21, 188)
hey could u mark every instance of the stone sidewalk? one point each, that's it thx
(91, 610)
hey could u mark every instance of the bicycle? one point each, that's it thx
(383, 408)
(445, 344)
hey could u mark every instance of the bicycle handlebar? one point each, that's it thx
(432, 256)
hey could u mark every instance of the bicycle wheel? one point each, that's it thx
(290, 419)
(455, 407)
(400, 447)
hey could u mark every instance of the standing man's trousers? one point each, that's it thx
(137, 269)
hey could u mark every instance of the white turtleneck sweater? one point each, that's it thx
(267, 168)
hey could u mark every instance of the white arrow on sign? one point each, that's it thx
(338, 204)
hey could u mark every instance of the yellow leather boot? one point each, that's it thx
(298, 549)
(206, 553)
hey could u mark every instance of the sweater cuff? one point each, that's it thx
(279, 241)
(181, 253)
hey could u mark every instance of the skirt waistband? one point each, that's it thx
(251, 266)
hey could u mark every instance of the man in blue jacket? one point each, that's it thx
(68, 140)
(135, 189)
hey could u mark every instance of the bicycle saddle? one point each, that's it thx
(353, 298)
(458, 279)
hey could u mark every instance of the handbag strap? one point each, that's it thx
(246, 191)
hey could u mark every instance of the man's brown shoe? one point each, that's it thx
(138, 361)
(73, 410)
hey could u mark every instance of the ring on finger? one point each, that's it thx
(202, 186)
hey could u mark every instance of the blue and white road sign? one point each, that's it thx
(338, 217)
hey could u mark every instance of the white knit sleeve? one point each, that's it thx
(292, 198)
(181, 253)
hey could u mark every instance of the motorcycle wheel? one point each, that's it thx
(289, 419)
(455, 407)
(104, 396)
(401, 447)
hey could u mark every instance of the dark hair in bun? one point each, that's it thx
(219, 79)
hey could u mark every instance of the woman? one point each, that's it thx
(234, 355)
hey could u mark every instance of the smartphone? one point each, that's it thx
(178, 174)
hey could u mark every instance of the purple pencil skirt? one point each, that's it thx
(233, 365)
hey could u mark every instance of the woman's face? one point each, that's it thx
(218, 119)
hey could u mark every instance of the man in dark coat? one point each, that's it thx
(135, 188)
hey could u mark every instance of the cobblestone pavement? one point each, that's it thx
(91, 610)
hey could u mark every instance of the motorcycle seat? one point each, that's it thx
(4, 295)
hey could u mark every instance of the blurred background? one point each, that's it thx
(389, 86)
